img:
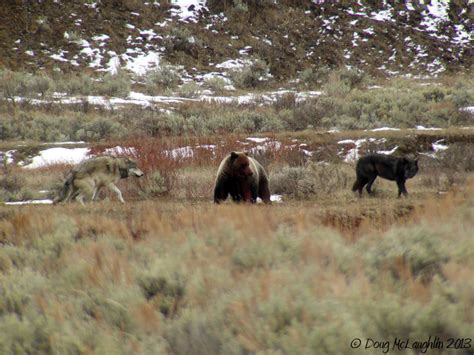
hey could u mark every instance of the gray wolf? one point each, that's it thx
(243, 178)
(84, 181)
(387, 167)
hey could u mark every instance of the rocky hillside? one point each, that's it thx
(288, 36)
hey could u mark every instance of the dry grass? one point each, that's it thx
(170, 277)
(172, 273)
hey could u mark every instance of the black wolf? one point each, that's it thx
(386, 166)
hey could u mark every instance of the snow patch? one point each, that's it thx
(438, 146)
(188, 10)
(276, 198)
(30, 202)
(388, 152)
(180, 153)
(257, 139)
(423, 128)
(352, 154)
(385, 129)
(7, 157)
(141, 63)
(119, 150)
(58, 155)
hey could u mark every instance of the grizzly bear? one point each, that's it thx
(386, 166)
(243, 178)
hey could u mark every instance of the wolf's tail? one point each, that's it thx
(66, 190)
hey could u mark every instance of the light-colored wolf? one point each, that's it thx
(85, 180)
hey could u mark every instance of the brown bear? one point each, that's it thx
(243, 178)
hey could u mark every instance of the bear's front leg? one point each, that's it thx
(220, 191)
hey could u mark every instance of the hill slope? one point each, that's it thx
(288, 35)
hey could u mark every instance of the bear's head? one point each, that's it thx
(240, 165)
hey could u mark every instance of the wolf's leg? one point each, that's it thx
(84, 190)
(115, 189)
(401, 188)
(359, 184)
(80, 198)
(73, 195)
(95, 193)
(369, 184)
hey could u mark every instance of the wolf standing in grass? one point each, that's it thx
(86, 179)
(386, 166)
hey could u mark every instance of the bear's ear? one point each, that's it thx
(247, 154)
(233, 155)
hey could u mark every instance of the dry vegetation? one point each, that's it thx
(350, 100)
(169, 277)
(171, 273)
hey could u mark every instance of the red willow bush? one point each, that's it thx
(170, 155)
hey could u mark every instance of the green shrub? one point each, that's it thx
(240, 6)
(335, 87)
(216, 84)
(13, 84)
(201, 334)
(243, 121)
(48, 129)
(13, 187)
(103, 127)
(434, 94)
(311, 180)
(76, 85)
(24, 336)
(113, 307)
(18, 289)
(44, 127)
(179, 39)
(310, 78)
(417, 248)
(293, 181)
(463, 94)
(190, 89)
(308, 114)
(113, 85)
(170, 294)
(251, 76)
(352, 77)
(161, 78)
(155, 184)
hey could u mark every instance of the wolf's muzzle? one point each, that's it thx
(137, 172)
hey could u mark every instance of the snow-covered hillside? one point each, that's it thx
(383, 38)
